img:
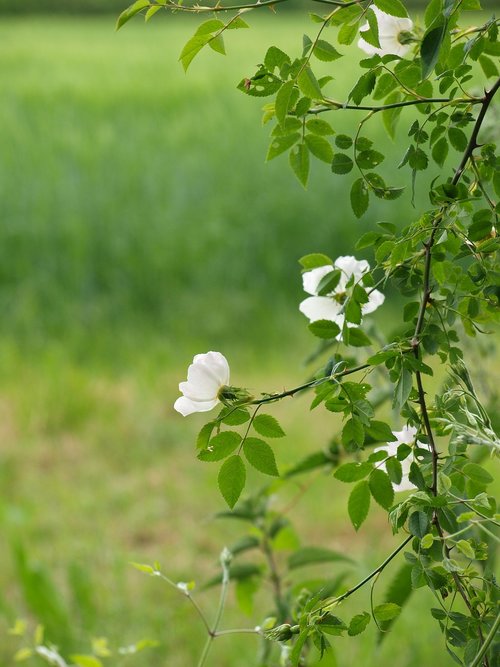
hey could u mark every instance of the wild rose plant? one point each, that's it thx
(421, 447)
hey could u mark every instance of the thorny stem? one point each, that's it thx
(333, 105)
(471, 146)
(307, 385)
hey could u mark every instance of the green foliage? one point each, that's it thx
(442, 261)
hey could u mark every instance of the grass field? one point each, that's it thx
(139, 225)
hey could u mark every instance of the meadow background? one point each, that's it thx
(139, 225)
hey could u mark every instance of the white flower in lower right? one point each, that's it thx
(404, 437)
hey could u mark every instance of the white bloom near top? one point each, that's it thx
(406, 437)
(330, 307)
(206, 376)
(389, 29)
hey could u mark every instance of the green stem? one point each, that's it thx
(307, 385)
(489, 638)
(364, 581)
(333, 105)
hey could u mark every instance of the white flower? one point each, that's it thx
(389, 35)
(406, 437)
(331, 306)
(207, 375)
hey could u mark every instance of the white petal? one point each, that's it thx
(375, 299)
(321, 308)
(201, 384)
(406, 436)
(186, 406)
(217, 364)
(389, 28)
(311, 279)
(392, 449)
(368, 48)
(350, 266)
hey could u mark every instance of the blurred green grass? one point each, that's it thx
(135, 199)
(140, 225)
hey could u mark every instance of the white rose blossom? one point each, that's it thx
(391, 30)
(331, 306)
(206, 377)
(407, 437)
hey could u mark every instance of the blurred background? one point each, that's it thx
(139, 225)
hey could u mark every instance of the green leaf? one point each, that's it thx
(192, 48)
(440, 151)
(275, 58)
(392, 7)
(403, 388)
(281, 144)
(209, 27)
(325, 51)
(359, 197)
(237, 24)
(282, 103)
(430, 47)
(380, 432)
(314, 555)
(329, 282)
(359, 503)
(319, 126)
(342, 163)
(488, 66)
(353, 472)
(353, 432)
(220, 446)
(314, 260)
(418, 524)
(477, 474)
(308, 84)
(427, 541)
(299, 161)
(260, 455)
(363, 87)
(394, 470)
(343, 141)
(234, 416)
(217, 44)
(204, 435)
(358, 624)
(381, 488)
(347, 33)
(390, 117)
(386, 611)
(231, 479)
(324, 329)
(358, 338)
(151, 12)
(319, 147)
(458, 139)
(268, 426)
(130, 12)
(85, 661)
(369, 159)
(465, 547)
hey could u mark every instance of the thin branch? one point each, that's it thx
(364, 581)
